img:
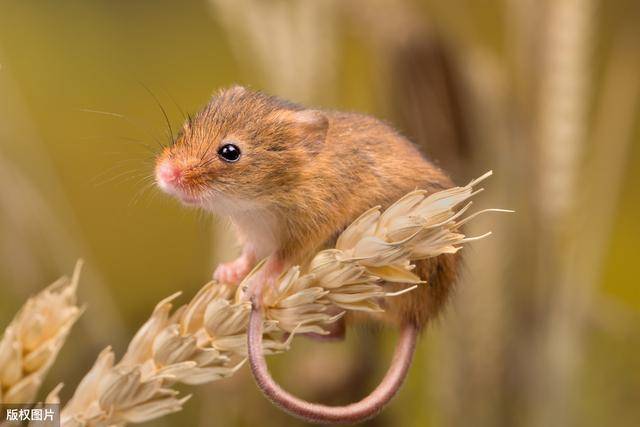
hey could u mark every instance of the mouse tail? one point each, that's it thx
(318, 413)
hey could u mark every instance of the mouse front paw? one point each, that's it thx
(233, 272)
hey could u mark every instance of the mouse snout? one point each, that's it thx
(180, 178)
(168, 174)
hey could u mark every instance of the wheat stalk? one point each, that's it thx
(293, 44)
(33, 339)
(205, 339)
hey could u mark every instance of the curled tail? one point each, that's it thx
(317, 413)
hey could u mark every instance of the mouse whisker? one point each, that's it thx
(140, 143)
(142, 192)
(127, 120)
(206, 151)
(164, 112)
(206, 162)
(173, 100)
(107, 175)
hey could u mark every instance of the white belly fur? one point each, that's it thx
(254, 223)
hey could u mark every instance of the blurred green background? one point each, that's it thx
(545, 327)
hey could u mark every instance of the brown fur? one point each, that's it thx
(312, 173)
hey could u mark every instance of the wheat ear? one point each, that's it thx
(205, 339)
(33, 339)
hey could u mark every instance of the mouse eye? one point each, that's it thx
(229, 153)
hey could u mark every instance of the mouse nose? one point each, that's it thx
(167, 174)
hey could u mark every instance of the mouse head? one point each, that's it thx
(244, 146)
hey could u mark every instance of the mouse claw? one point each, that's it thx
(233, 272)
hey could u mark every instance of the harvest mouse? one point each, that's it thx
(291, 179)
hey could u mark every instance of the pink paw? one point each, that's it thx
(265, 277)
(233, 272)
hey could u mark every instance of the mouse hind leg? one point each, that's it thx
(424, 303)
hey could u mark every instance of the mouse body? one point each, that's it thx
(291, 179)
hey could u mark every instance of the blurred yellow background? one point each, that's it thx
(545, 329)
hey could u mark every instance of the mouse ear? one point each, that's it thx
(310, 127)
(235, 90)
